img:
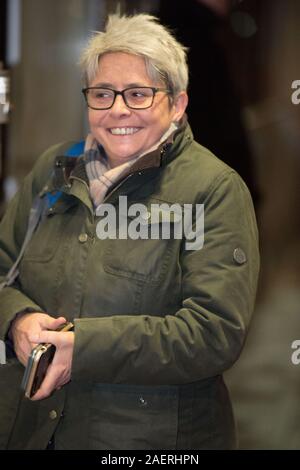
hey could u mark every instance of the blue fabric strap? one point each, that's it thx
(52, 198)
(74, 151)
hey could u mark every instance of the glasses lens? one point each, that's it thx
(100, 98)
(139, 98)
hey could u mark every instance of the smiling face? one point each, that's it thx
(123, 132)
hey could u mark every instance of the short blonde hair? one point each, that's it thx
(142, 35)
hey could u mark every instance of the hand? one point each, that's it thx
(59, 371)
(30, 324)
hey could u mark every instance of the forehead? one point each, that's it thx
(123, 68)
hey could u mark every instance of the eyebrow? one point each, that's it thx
(128, 85)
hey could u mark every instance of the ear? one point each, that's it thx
(179, 105)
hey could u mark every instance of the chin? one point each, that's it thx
(126, 155)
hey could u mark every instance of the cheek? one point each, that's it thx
(91, 118)
(164, 116)
(94, 119)
(162, 123)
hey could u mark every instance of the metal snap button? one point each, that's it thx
(142, 401)
(83, 237)
(53, 414)
(239, 256)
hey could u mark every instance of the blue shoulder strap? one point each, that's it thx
(74, 151)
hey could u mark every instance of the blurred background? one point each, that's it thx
(244, 63)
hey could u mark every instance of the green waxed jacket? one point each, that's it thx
(155, 324)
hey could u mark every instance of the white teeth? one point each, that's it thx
(124, 130)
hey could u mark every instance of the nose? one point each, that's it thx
(119, 107)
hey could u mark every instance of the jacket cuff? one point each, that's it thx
(14, 302)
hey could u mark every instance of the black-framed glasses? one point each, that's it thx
(134, 97)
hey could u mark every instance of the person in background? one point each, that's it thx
(157, 319)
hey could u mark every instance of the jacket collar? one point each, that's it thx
(70, 175)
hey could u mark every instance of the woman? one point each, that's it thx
(157, 321)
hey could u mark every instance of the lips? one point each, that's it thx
(123, 130)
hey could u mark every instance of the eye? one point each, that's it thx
(100, 94)
(137, 94)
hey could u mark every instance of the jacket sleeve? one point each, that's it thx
(206, 335)
(13, 228)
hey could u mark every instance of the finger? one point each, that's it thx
(45, 322)
(53, 323)
(46, 336)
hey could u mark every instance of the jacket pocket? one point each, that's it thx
(133, 417)
(45, 256)
(150, 242)
(44, 242)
